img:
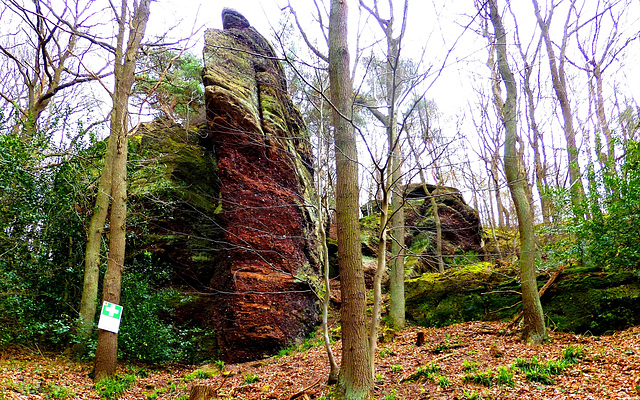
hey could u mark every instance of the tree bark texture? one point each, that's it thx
(396, 275)
(88, 302)
(534, 331)
(377, 279)
(395, 215)
(355, 380)
(436, 220)
(333, 366)
(202, 392)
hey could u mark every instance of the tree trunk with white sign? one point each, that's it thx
(124, 71)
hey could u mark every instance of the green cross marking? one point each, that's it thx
(112, 310)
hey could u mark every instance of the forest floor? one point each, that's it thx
(475, 360)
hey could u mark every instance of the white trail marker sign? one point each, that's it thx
(110, 317)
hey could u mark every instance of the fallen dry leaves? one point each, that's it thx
(610, 369)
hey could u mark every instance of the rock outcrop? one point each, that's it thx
(584, 300)
(263, 284)
(227, 207)
(460, 223)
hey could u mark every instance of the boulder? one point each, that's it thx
(460, 223)
(584, 300)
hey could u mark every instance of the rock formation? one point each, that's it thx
(584, 300)
(230, 204)
(263, 284)
(461, 230)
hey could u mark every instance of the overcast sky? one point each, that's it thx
(437, 32)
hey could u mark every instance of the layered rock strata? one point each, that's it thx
(263, 286)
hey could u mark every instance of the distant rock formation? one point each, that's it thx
(262, 285)
(461, 229)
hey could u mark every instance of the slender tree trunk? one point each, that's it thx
(355, 380)
(106, 350)
(534, 331)
(333, 366)
(396, 213)
(603, 124)
(323, 212)
(503, 215)
(377, 279)
(396, 275)
(536, 143)
(89, 300)
(434, 207)
(436, 220)
(124, 73)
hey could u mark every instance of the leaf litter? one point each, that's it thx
(473, 360)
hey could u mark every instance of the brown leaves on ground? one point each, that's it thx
(450, 365)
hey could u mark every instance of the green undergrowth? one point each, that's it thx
(315, 339)
(534, 370)
(431, 372)
(112, 388)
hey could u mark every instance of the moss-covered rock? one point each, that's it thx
(582, 300)
(460, 223)
(458, 295)
(597, 302)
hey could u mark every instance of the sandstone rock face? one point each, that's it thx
(262, 286)
(461, 229)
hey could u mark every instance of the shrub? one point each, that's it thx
(251, 378)
(55, 392)
(505, 376)
(573, 353)
(469, 366)
(198, 374)
(443, 382)
(536, 371)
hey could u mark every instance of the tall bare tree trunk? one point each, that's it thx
(396, 275)
(324, 215)
(434, 207)
(436, 220)
(503, 214)
(390, 121)
(333, 366)
(535, 138)
(124, 73)
(534, 331)
(559, 82)
(355, 380)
